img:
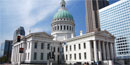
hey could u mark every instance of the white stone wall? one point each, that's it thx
(28, 45)
(95, 49)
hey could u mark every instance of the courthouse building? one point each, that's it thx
(94, 46)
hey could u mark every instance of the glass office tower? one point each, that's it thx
(115, 18)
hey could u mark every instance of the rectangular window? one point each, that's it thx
(48, 55)
(79, 46)
(42, 45)
(70, 56)
(35, 45)
(85, 57)
(84, 45)
(70, 48)
(74, 47)
(41, 56)
(54, 49)
(35, 56)
(58, 49)
(79, 55)
(75, 56)
(66, 57)
(48, 46)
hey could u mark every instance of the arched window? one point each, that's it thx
(64, 27)
(58, 28)
(70, 27)
(61, 27)
(67, 27)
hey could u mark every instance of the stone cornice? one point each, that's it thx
(100, 33)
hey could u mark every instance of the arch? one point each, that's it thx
(57, 27)
(70, 28)
(64, 27)
(67, 27)
(61, 27)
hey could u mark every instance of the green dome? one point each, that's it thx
(63, 14)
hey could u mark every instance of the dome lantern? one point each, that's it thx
(63, 3)
(63, 13)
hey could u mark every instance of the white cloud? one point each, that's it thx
(25, 13)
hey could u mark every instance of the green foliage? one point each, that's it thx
(3, 59)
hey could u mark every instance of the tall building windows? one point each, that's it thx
(66, 57)
(35, 45)
(70, 28)
(64, 27)
(54, 49)
(70, 56)
(74, 47)
(79, 55)
(79, 46)
(35, 56)
(67, 27)
(70, 48)
(58, 27)
(61, 27)
(66, 48)
(48, 46)
(75, 56)
(41, 56)
(84, 45)
(85, 57)
(48, 56)
(42, 45)
(58, 49)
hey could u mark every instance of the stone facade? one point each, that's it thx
(35, 44)
(90, 47)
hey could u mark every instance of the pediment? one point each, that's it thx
(105, 34)
(41, 35)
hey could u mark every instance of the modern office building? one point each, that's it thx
(92, 16)
(103, 3)
(115, 18)
(19, 31)
(8, 49)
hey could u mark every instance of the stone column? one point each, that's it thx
(111, 47)
(108, 52)
(100, 51)
(90, 51)
(104, 51)
(95, 51)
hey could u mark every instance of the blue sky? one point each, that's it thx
(36, 15)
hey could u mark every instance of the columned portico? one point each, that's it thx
(112, 50)
(108, 52)
(104, 51)
(100, 51)
(95, 51)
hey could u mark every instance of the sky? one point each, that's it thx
(37, 15)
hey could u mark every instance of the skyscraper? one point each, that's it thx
(103, 3)
(116, 19)
(92, 16)
(19, 31)
(8, 49)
